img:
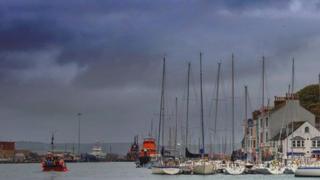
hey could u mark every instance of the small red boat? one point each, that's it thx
(54, 162)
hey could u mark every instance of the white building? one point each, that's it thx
(304, 141)
(269, 123)
(286, 110)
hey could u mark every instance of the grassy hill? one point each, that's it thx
(309, 98)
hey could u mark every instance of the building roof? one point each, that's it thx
(317, 138)
(297, 138)
(284, 135)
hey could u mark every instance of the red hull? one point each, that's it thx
(57, 168)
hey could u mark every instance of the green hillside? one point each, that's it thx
(309, 98)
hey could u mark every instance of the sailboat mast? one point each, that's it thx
(319, 85)
(246, 117)
(176, 128)
(263, 73)
(232, 64)
(187, 116)
(217, 103)
(292, 97)
(79, 128)
(262, 106)
(161, 108)
(201, 106)
(52, 143)
(151, 128)
(292, 78)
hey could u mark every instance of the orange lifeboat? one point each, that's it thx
(148, 150)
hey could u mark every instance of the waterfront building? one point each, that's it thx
(7, 150)
(303, 142)
(269, 121)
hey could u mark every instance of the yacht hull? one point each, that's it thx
(204, 169)
(165, 170)
(307, 172)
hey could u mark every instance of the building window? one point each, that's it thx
(313, 143)
(267, 123)
(293, 143)
(306, 129)
(261, 137)
(302, 143)
(261, 123)
(318, 143)
(267, 136)
(298, 143)
(254, 143)
(318, 123)
(251, 131)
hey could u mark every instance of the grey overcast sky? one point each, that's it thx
(104, 59)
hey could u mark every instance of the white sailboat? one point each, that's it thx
(235, 168)
(165, 165)
(311, 170)
(170, 167)
(203, 167)
(270, 167)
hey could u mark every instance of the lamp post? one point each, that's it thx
(79, 125)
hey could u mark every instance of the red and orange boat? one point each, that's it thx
(54, 162)
(148, 151)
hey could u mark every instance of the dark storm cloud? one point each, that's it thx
(104, 58)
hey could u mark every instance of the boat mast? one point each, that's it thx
(292, 97)
(151, 129)
(216, 107)
(292, 78)
(262, 105)
(246, 119)
(187, 116)
(319, 85)
(176, 128)
(79, 128)
(52, 143)
(201, 107)
(232, 64)
(161, 108)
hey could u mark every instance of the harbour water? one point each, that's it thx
(111, 171)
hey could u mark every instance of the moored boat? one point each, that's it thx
(148, 152)
(167, 165)
(165, 170)
(305, 171)
(309, 170)
(204, 167)
(186, 167)
(271, 168)
(235, 168)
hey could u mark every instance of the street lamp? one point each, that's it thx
(79, 121)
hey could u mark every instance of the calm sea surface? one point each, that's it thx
(111, 171)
